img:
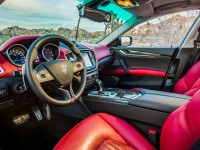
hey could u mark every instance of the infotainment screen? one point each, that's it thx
(87, 59)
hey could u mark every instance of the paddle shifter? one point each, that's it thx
(99, 85)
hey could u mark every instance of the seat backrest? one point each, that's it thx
(190, 83)
(182, 128)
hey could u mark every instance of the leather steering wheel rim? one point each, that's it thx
(32, 75)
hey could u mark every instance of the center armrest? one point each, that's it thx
(168, 94)
(160, 102)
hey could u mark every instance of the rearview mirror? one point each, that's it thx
(94, 14)
(125, 41)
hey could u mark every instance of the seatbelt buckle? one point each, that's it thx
(152, 136)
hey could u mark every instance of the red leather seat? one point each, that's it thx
(189, 84)
(107, 132)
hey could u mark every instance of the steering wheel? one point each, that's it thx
(58, 73)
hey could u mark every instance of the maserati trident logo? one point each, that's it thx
(64, 68)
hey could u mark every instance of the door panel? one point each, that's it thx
(139, 67)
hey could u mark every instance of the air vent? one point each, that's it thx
(111, 51)
(92, 56)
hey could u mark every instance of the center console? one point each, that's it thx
(116, 94)
(147, 106)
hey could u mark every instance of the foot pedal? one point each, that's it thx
(37, 112)
(46, 111)
(21, 119)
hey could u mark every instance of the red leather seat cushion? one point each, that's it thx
(103, 130)
(114, 145)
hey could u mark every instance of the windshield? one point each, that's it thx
(40, 17)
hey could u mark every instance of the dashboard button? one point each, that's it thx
(3, 92)
(43, 76)
(79, 65)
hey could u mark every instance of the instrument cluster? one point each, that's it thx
(17, 53)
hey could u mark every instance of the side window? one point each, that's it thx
(164, 31)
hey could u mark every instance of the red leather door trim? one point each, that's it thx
(136, 72)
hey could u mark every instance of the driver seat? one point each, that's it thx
(107, 132)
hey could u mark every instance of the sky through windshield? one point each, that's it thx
(39, 13)
(40, 17)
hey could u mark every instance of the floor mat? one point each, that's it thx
(33, 135)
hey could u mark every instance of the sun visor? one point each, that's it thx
(1, 1)
(158, 3)
(145, 10)
(161, 7)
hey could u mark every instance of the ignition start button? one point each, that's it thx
(19, 88)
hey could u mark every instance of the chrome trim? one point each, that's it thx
(138, 53)
(52, 45)
(23, 77)
(13, 46)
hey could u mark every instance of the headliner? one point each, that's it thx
(1, 1)
(149, 8)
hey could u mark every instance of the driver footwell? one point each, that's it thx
(33, 134)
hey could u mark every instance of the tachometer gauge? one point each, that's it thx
(47, 54)
(50, 52)
(17, 54)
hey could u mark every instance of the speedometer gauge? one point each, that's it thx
(17, 54)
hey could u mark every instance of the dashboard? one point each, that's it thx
(13, 55)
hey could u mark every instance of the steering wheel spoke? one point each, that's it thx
(43, 75)
(77, 79)
(71, 91)
(78, 66)
(66, 94)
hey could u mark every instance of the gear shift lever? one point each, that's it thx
(99, 85)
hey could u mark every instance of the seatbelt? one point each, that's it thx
(194, 55)
(197, 42)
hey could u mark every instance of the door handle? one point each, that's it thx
(138, 54)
